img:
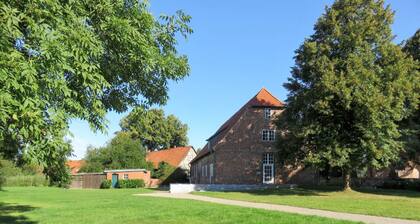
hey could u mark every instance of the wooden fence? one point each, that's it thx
(87, 180)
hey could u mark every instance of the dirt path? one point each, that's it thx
(285, 208)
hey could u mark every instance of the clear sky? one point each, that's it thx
(237, 48)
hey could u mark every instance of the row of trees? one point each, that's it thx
(61, 60)
(354, 94)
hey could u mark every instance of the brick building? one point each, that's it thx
(242, 150)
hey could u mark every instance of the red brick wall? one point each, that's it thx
(238, 155)
(143, 175)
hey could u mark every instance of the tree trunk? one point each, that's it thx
(346, 180)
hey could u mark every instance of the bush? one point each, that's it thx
(401, 184)
(26, 181)
(164, 171)
(134, 183)
(106, 184)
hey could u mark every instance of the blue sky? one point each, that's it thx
(237, 48)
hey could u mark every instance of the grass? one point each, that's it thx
(387, 203)
(32, 205)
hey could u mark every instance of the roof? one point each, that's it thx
(75, 165)
(125, 170)
(262, 99)
(172, 156)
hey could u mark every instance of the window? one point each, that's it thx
(268, 135)
(125, 176)
(268, 158)
(211, 169)
(267, 113)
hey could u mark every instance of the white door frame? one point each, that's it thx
(271, 181)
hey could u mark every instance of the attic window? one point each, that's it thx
(268, 135)
(267, 113)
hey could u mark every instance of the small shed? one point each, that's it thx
(127, 174)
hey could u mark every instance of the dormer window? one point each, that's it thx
(267, 113)
(268, 135)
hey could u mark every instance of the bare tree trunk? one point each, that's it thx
(346, 180)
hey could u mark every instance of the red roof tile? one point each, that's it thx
(262, 99)
(75, 165)
(173, 156)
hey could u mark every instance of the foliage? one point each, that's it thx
(348, 91)
(411, 126)
(106, 184)
(154, 129)
(131, 183)
(61, 60)
(163, 171)
(122, 152)
(9, 169)
(26, 181)
(27, 175)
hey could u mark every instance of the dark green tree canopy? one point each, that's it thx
(411, 126)
(79, 59)
(348, 90)
(154, 129)
(122, 152)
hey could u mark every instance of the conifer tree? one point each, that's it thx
(349, 89)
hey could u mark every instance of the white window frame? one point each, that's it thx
(211, 170)
(125, 176)
(267, 113)
(268, 135)
(268, 162)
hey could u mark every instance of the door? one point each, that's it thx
(114, 182)
(268, 168)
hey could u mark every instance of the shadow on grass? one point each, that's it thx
(324, 190)
(388, 192)
(6, 211)
(301, 191)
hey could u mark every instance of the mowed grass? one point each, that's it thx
(387, 203)
(54, 205)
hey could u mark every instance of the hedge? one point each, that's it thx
(106, 184)
(133, 183)
(25, 181)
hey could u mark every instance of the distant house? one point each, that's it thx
(75, 165)
(178, 157)
(128, 174)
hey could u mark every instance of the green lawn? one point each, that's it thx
(53, 205)
(389, 203)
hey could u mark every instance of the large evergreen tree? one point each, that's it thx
(61, 60)
(349, 89)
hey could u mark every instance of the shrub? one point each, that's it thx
(26, 181)
(164, 171)
(106, 184)
(133, 183)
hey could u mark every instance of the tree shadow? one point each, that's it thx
(7, 209)
(301, 191)
(390, 192)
